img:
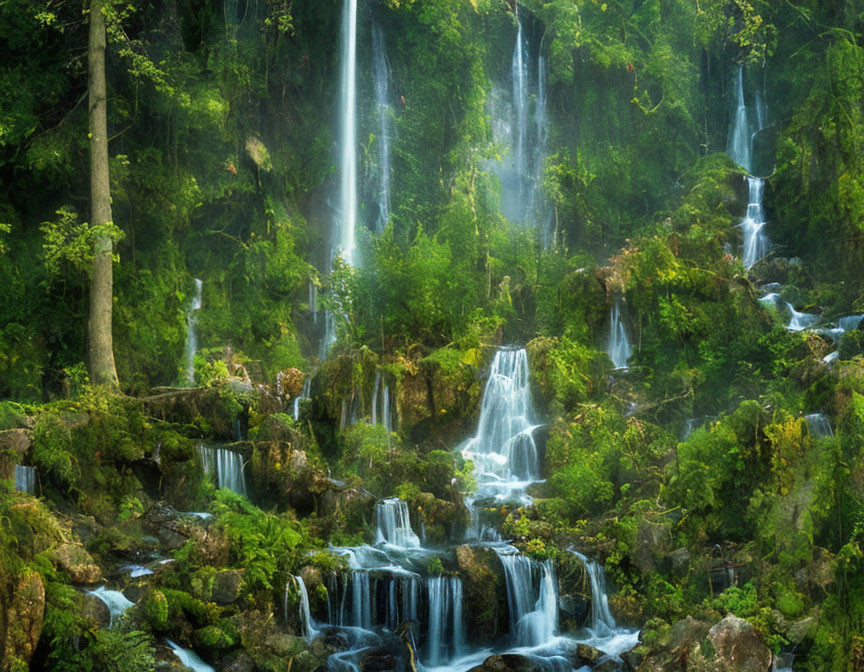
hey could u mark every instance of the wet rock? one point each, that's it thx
(170, 528)
(732, 645)
(86, 528)
(95, 610)
(378, 660)
(14, 444)
(670, 653)
(22, 608)
(227, 587)
(77, 563)
(237, 661)
(588, 654)
(509, 662)
(482, 589)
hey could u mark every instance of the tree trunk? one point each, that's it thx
(101, 342)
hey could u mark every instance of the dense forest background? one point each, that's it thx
(224, 133)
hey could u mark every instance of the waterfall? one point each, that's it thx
(313, 302)
(618, 347)
(384, 110)
(797, 321)
(532, 597)
(819, 426)
(309, 631)
(394, 524)
(344, 242)
(446, 637)
(191, 335)
(739, 143)
(382, 406)
(224, 466)
(189, 658)
(756, 243)
(504, 453)
(522, 127)
(113, 599)
(305, 393)
(25, 479)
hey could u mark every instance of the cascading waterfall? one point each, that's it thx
(797, 321)
(189, 658)
(618, 347)
(224, 466)
(605, 633)
(394, 524)
(384, 110)
(756, 243)
(819, 426)
(25, 479)
(740, 149)
(532, 597)
(113, 599)
(446, 638)
(191, 333)
(505, 455)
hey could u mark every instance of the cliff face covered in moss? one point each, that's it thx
(449, 334)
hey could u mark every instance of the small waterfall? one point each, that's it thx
(504, 453)
(224, 466)
(394, 524)
(797, 321)
(446, 639)
(532, 597)
(305, 393)
(382, 405)
(25, 479)
(309, 630)
(819, 426)
(782, 662)
(618, 348)
(136, 571)
(313, 302)
(739, 143)
(756, 243)
(191, 334)
(113, 599)
(384, 109)
(344, 240)
(189, 658)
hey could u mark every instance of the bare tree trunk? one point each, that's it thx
(101, 341)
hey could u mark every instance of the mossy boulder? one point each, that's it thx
(485, 598)
(732, 645)
(14, 444)
(22, 609)
(77, 563)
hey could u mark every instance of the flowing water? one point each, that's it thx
(25, 479)
(189, 658)
(305, 394)
(819, 426)
(756, 243)
(618, 346)
(113, 599)
(388, 584)
(191, 333)
(347, 223)
(384, 111)
(224, 466)
(797, 321)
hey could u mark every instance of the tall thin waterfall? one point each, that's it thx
(446, 638)
(306, 622)
(504, 452)
(394, 524)
(25, 479)
(739, 147)
(224, 466)
(756, 243)
(384, 110)
(305, 393)
(191, 334)
(382, 402)
(618, 347)
(344, 239)
(522, 127)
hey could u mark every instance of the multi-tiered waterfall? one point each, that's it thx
(742, 132)
(389, 585)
